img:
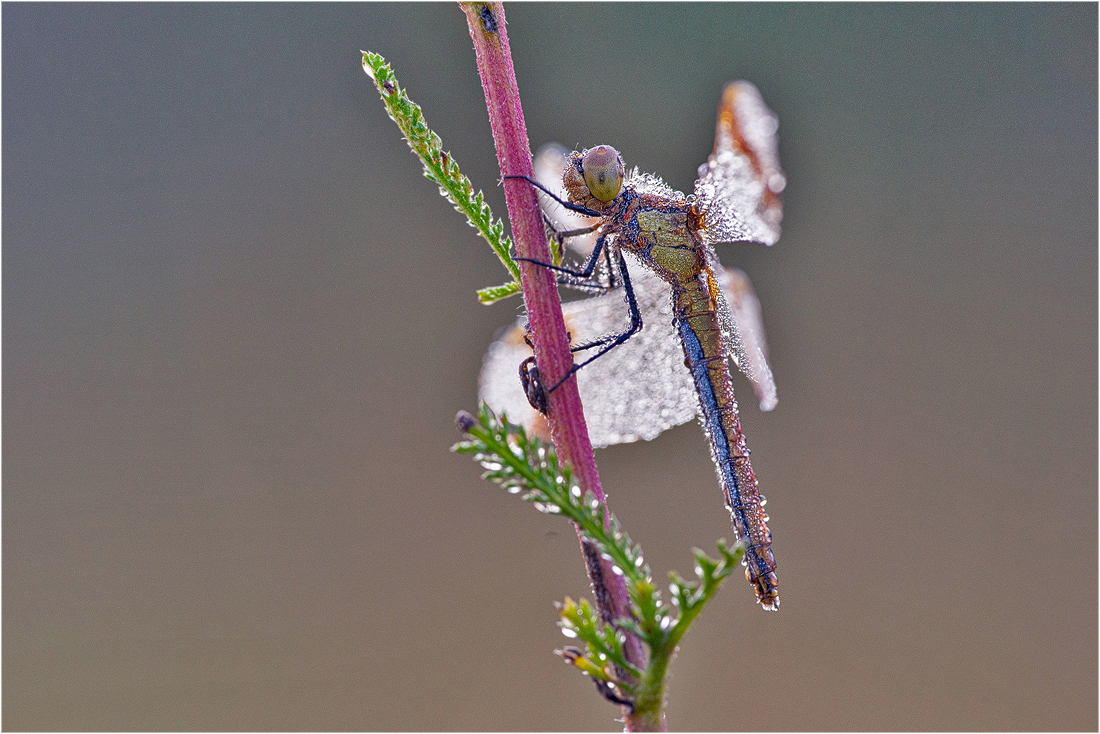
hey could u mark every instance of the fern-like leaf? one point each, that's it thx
(441, 168)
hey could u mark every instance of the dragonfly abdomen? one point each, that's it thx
(705, 356)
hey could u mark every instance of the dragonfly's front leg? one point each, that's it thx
(559, 237)
(613, 340)
(568, 205)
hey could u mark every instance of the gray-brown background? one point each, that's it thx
(237, 323)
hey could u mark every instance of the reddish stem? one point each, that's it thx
(548, 333)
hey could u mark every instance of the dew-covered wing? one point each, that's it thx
(653, 185)
(743, 330)
(635, 391)
(739, 187)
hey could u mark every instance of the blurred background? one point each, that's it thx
(238, 322)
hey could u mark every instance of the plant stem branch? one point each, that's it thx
(549, 336)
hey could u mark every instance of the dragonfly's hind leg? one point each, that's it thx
(530, 378)
(607, 343)
(574, 276)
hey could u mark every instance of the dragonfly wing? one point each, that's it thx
(739, 187)
(635, 391)
(743, 327)
(641, 387)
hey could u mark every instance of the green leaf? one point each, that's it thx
(495, 293)
(439, 166)
(525, 466)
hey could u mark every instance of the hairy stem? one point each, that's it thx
(540, 293)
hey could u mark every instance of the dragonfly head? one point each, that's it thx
(595, 177)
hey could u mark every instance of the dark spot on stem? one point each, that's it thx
(488, 20)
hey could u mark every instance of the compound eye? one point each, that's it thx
(603, 172)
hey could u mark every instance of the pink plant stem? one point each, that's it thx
(551, 340)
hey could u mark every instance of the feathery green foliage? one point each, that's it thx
(441, 168)
(525, 466)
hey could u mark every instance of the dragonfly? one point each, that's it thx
(664, 317)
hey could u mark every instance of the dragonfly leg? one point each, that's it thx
(561, 234)
(604, 283)
(529, 375)
(559, 237)
(583, 274)
(610, 270)
(570, 206)
(608, 343)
